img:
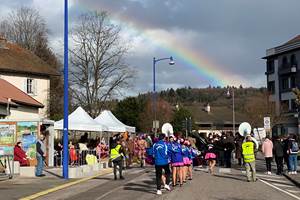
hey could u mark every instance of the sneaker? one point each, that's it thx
(167, 187)
(270, 173)
(295, 172)
(159, 192)
(290, 173)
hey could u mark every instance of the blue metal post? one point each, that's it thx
(66, 92)
(154, 96)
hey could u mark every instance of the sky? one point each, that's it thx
(213, 42)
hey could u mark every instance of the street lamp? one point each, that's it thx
(171, 62)
(233, 111)
(66, 92)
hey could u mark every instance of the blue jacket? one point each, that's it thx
(186, 152)
(176, 154)
(160, 153)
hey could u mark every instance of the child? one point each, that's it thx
(186, 160)
(211, 157)
(176, 161)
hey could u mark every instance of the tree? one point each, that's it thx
(179, 119)
(164, 114)
(128, 111)
(27, 28)
(97, 58)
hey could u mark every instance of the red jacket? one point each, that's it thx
(20, 155)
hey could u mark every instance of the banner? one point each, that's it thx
(27, 133)
(7, 134)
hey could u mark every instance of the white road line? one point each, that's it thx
(269, 176)
(281, 190)
(275, 180)
(282, 185)
(293, 191)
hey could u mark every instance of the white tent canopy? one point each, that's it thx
(114, 125)
(79, 120)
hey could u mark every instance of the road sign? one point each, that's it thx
(267, 123)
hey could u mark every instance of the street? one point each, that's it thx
(140, 184)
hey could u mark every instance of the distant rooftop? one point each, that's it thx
(291, 45)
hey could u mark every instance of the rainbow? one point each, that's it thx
(214, 74)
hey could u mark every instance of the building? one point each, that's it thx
(283, 75)
(16, 105)
(27, 72)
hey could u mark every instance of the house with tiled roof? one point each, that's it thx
(24, 81)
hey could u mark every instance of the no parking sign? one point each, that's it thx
(267, 123)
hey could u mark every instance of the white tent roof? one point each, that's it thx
(114, 125)
(79, 120)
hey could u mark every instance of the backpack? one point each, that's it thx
(294, 147)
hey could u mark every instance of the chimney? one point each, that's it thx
(3, 42)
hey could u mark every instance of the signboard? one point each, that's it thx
(6, 150)
(267, 123)
(7, 134)
(27, 133)
(156, 124)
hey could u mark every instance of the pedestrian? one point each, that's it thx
(267, 149)
(293, 149)
(176, 161)
(211, 157)
(228, 148)
(142, 145)
(160, 154)
(248, 151)
(238, 148)
(116, 157)
(20, 155)
(286, 152)
(40, 156)
(186, 160)
(278, 153)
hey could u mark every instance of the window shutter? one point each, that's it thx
(34, 86)
(25, 85)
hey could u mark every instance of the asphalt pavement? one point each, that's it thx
(140, 184)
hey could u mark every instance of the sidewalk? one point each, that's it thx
(20, 187)
(295, 178)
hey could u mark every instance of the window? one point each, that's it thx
(294, 105)
(293, 60)
(30, 86)
(270, 66)
(284, 61)
(284, 83)
(293, 82)
(271, 87)
(284, 105)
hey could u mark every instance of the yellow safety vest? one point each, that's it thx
(248, 152)
(114, 153)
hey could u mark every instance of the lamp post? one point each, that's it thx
(66, 92)
(233, 110)
(171, 62)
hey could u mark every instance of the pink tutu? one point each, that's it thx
(186, 161)
(209, 156)
(177, 164)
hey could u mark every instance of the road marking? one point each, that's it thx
(279, 189)
(276, 180)
(269, 176)
(60, 187)
(282, 185)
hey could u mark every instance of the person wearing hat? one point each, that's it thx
(211, 157)
(248, 151)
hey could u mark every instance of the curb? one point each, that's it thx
(292, 180)
(63, 186)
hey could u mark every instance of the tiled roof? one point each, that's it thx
(16, 95)
(294, 40)
(15, 59)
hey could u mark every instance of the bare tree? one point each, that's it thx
(25, 27)
(97, 57)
